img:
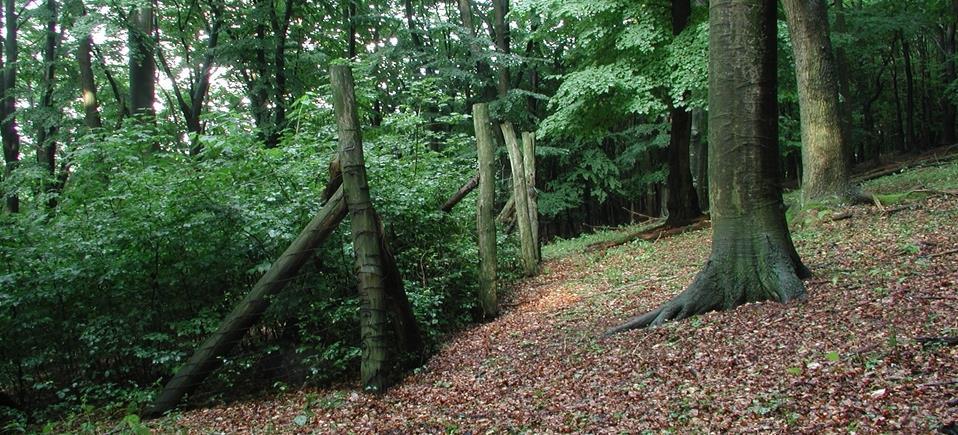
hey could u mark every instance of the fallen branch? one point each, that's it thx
(893, 210)
(841, 216)
(945, 341)
(943, 253)
(652, 234)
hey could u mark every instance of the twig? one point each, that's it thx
(878, 203)
(938, 384)
(943, 253)
(947, 341)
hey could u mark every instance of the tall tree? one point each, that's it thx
(825, 148)
(192, 100)
(88, 92)
(682, 201)
(8, 100)
(142, 62)
(482, 68)
(500, 8)
(46, 140)
(753, 258)
(948, 52)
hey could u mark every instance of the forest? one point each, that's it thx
(478, 216)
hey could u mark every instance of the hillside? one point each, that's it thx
(848, 358)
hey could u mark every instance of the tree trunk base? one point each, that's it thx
(739, 271)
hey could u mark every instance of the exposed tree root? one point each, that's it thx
(750, 270)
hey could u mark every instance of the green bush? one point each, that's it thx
(102, 299)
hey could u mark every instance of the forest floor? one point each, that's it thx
(849, 358)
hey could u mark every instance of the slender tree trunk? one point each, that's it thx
(365, 231)
(846, 100)
(142, 62)
(752, 258)
(896, 88)
(88, 92)
(872, 144)
(910, 138)
(8, 105)
(927, 136)
(500, 9)
(482, 68)
(46, 141)
(825, 161)
(350, 6)
(948, 49)
(701, 162)
(682, 200)
(485, 224)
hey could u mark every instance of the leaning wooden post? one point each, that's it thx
(247, 312)
(521, 195)
(529, 164)
(365, 233)
(487, 196)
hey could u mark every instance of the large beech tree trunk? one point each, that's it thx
(752, 257)
(825, 151)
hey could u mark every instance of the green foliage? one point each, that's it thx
(145, 254)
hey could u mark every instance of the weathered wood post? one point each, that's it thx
(521, 194)
(487, 227)
(529, 164)
(233, 328)
(365, 233)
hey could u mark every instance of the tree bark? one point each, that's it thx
(482, 68)
(949, 76)
(846, 100)
(529, 166)
(142, 62)
(752, 257)
(896, 88)
(46, 141)
(500, 9)
(825, 161)
(949, 73)
(88, 92)
(701, 162)
(909, 94)
(520, 191)
(233, 328)
(486, 226)
(365, 232)
(8, 106)
(682, 201)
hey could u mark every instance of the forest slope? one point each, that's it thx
(845, 359)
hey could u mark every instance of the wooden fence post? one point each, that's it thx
(521, 195)
(485, 224)
(529, 164)
(365, 233)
